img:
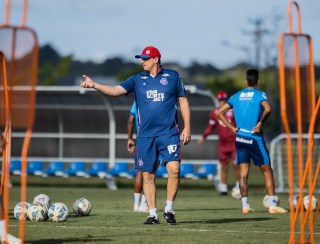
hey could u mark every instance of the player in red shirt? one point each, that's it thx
(226, 144)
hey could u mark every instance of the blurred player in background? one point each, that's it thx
(251, 109)
(10, 238)
(226, 146)
(140, 202)
(157, 94)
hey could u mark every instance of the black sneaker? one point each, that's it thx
(151, 220)
(223, 193)
(169, 216)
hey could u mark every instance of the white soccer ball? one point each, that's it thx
(266, 203)
(314, 202)
(58, 212)
(42, 199)
(21, 210)
(37, 212)
(235, 192)
(82, 207)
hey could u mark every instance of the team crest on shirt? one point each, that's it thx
(164, 81)
(140, 162)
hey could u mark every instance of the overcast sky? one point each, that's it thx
(206, 31)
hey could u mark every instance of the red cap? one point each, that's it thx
(222, 95)
(149, 52)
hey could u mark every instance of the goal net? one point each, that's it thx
(278, 157)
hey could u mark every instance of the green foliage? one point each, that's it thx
(123, 75)
(51, 73)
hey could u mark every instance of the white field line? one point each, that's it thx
(172, 229)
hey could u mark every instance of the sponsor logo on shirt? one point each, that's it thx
(144, 77)
(239, 139)
(155, 96)
(172, 148)
(246, 95)
(165, 75)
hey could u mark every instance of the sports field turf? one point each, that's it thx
(202, 215)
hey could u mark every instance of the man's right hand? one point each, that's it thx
(87, 82)
(131, 145)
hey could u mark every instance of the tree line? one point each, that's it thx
(55, 69)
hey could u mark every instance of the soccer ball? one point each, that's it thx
(294, 201)
(58, 212)
(314, 202)
(266, 203)
(235, 192)
(37, 212)
(82, 207)
(42, 199)
(21, 210)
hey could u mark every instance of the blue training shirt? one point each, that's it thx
(247, 107)
(156, 100)
(134, 113)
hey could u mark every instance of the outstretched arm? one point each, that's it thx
(225, 108)
(106, 89)
(185, 112)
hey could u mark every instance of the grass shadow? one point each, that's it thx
(88, 239)
(225, 220)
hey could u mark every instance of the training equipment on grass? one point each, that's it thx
(299, 112)
(58, 212)
(294, 201)
(37, 213)
(314, 202)
(19, 44)
(82, 207)
(21, 210)
(42, 199)
(235, 192)
(266, 200)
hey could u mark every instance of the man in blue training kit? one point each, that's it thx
(157, 92)
(251, 109)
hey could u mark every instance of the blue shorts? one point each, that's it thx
(252, 147)
(148, 150)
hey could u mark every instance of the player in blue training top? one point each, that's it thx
(251, 109)
(157, 93)
(140, 202)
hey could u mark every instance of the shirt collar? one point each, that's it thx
(147, 73)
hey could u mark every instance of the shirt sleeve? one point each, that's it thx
(264, 97)
(180, 87)
(129, 84)
(230, 101)
(133, 110)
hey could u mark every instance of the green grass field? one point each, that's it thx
(202, 215)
